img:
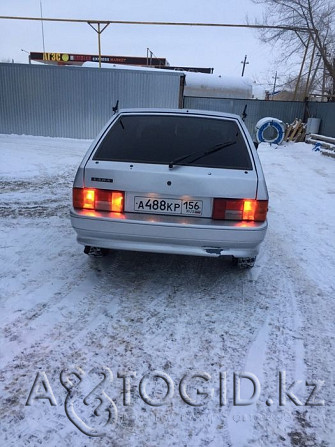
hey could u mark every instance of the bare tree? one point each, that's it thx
(317, 44)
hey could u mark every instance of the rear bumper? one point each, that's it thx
(167, 234)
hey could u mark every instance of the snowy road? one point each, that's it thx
(139, 313)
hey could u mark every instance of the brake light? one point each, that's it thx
(83, 198)
(98, 199)
(249, 209)
(89, 199)
(117, 201)
(240, 209)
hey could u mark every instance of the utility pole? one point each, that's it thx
(274, 84)
(42, 26)
(301, 68)
(323, 83)
(323, 89)
(149, 56)
(308, 84)
(99, 31)
(244, 62)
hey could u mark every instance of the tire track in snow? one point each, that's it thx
(52, 196)
(280, 346)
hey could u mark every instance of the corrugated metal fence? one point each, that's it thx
(255, 109)
(326, 112)
(76, 102)
(286, 111)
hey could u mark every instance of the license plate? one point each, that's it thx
(168, 206)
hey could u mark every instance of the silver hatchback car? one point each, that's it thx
(172, 181)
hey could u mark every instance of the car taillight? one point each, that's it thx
(98, 199)
(240, 209)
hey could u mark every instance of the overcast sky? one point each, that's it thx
(220, 48)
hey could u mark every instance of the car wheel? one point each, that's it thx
(96, 252)
(244, 263)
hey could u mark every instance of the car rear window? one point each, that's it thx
(161, 139)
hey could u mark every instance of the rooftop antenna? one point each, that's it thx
(116, 107)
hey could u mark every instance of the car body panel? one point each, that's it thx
(162, 233)
(168, 234)
(145, 178)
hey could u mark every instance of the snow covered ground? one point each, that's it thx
(182, 316)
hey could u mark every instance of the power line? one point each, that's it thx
(133, 22)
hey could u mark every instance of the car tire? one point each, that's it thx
(244, 263)
(96, 252)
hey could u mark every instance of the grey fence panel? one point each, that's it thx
(325, 111)
(285, 111)
(256, 109)
(76, 102)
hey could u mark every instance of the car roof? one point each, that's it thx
(184, 112)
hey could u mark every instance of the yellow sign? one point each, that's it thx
(54, 57)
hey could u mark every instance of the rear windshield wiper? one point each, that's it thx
(199, 154)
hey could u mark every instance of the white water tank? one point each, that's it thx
(217, 86)
(198, 84)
